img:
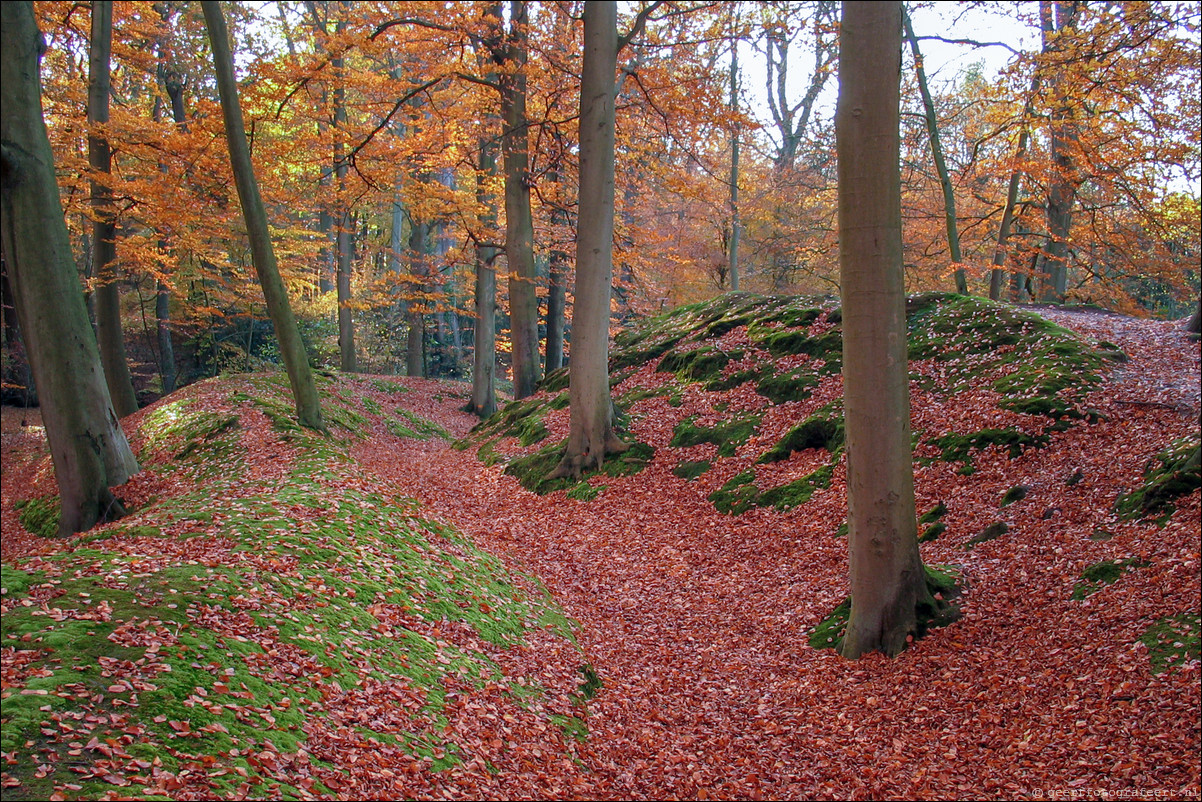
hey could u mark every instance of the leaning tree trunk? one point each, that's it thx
(88, 448)
(887, 578)
(292, 348)
(591, 435)
(104, 229)
(945, 179)
(1194, 324)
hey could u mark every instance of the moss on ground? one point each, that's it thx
(1172, 641)
(344, 596)
(945, 583)
(1172, 473)
(40, 516)
(1101, 574)
(991, 532)
(823, 429)
(691, 469)
(531, 471)
(727, 435)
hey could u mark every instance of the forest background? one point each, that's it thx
(403, 148)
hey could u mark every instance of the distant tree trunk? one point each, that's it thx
(484, 345)
(519, 223)
(104, 229)
(415, 345)
(997, 276)
(1058, 18)
(292, 348)
(173, 84)
(557, 288)
(87, 446)
(945, 180)
(591, 435)
(887, 578)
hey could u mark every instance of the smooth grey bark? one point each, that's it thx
(887, 578)
(557, 287)
(1057, 19)
(945, 179)
(591, 435)
(344, 242)
(87, 446)
(292, 348)
(415, 344)
(519, 222)
(104, 229)
(733, 252)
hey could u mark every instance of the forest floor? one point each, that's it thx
(697, 621)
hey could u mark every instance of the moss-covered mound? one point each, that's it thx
(229, 636)
(770, 351)
(1172, 473)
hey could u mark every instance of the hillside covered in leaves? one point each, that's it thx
(411, 609)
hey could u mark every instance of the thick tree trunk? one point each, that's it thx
(591, 434)
(887, 578)
(1194, 324)
(519, 223)
(104, 229)
(1058, 18)
(292, 348)
(945, 180)
(87, 446)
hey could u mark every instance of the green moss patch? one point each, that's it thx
(727, 435)
(944, 583)
(532, 470)
(1172, 473)
(991, 532)
(1015, 494)
(40, 516)
(823, 429)
(1173, 641)
(1101, 574)
(690, 469)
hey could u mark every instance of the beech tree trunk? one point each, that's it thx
(519, 223)
(945, 180)
(415, 344)
(1194, 324)
(591, 434)
(484, 348)
(87, 446)
(104, 229)
(887, 578)
(997, 276)
(557, 288)
(733, 252)
(344, 242)
(292, 348)
(1056, 19)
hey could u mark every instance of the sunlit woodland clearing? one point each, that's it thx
(783, 506)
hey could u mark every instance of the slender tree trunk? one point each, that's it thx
(415, 345)
(945, 180)
(733, 255)
(591, 434)
(519, 223)
(997, 276)
(87, 446)
(887, 578)
(292, 348)
(104, 229)
(344, 244)
(557, 288)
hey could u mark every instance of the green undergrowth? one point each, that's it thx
(264, 604)
(532, 470)
(944, 583)
(1171, 474)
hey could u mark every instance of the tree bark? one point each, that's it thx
(519, 223)
(104, 228)
(733, 254)
(997, 276)
(1057, 19)
(591, 436)
(887, 578)
(1194, 324)
(87, 446)
(344, 242)
(415, 344)
(945, 180)
(292, 348)
(557, 287)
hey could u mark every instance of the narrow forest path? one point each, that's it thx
(697, 621)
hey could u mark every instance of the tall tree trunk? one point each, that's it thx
(591, 435)
(945, 180)
(87, 446)
(344, 245)
(292, 348)
(104, 229)
(887, 578)
(1194, 324)
(997, 276)
(1058, 18)
(519, 223)
(173, 84)
(733, 255)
